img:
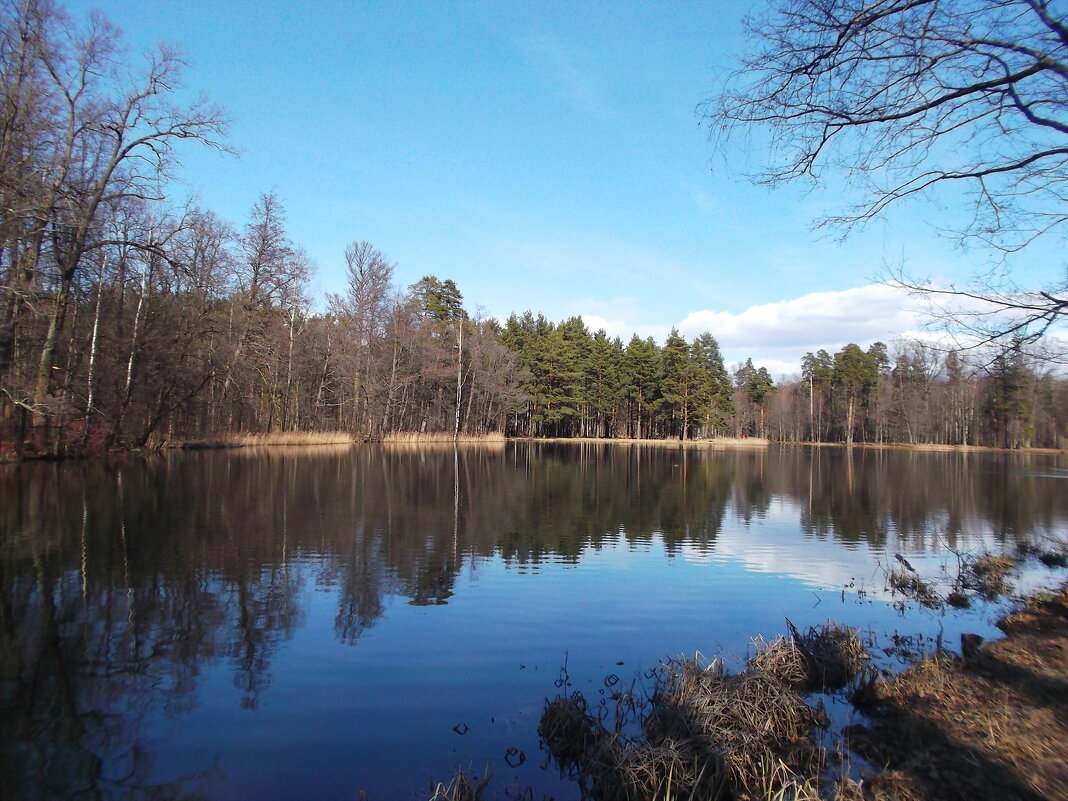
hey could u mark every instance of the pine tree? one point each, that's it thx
(641, 365)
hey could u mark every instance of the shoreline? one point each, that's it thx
(9, 455)
(715, 443)
(931, 447)
(989, 724)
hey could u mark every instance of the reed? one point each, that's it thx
(715, 443)
(245, 440)
(421, 437)
(465, 785)
(833, 655)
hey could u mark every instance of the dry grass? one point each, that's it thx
(621, 771)
(931, 447)
(569, 731)
(757, 726)
(781, 659)
(737, 442)
(715, 443)
(274, 439)
(832, 655)
(912, 586)
(421, 437)
(988, 728)
(465, 785)
(705, 734)
(986, 574)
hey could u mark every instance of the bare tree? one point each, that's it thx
(271, 280)
(364, 307)
(101, 135)
(921, 97)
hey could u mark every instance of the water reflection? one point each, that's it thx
(121, 584)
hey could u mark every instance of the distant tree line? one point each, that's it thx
(587, 384)
(126, 319)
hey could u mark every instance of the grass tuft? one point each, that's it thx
(465, 785)
(912, 586)
(986, 574)
(833, 655)
(704, 734)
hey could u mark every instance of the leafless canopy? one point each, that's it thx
(909, 97)
(909, 94)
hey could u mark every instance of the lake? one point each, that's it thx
(316, 623)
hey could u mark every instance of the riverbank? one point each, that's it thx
(929, 447)
(287, 438)
(715, 443)
(8, 453)
(264, 440)
(989, 725)
(416, 438)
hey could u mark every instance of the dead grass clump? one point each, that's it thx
(664, 772)
(986, 574)
(294, 438)
(569, 730)
(705, 734)
(864, 694)
(912, 586)
(782, 659)
(893, 785)
(958, 600)
(834, 655)
(751, 720)
(464, 786)
(1042, 612)
(1054, 558)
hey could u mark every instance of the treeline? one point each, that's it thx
(125, 319)
(585, 384)
(128, 320)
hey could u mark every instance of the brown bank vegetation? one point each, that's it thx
(988, 725)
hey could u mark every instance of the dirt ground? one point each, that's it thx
(993, 725)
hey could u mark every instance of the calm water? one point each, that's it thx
(314, 623)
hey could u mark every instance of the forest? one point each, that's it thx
(130, 317)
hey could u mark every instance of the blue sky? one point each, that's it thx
(544, 156)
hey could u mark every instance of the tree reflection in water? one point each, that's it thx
(121, 583)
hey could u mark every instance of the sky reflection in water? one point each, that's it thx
(312, 623)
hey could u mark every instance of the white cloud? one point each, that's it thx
(619, 327)
(818, 320)
(777, 335)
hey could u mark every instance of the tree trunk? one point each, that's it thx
(850, 411)
(90, 380)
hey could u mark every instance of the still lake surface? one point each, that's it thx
(313, 623)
